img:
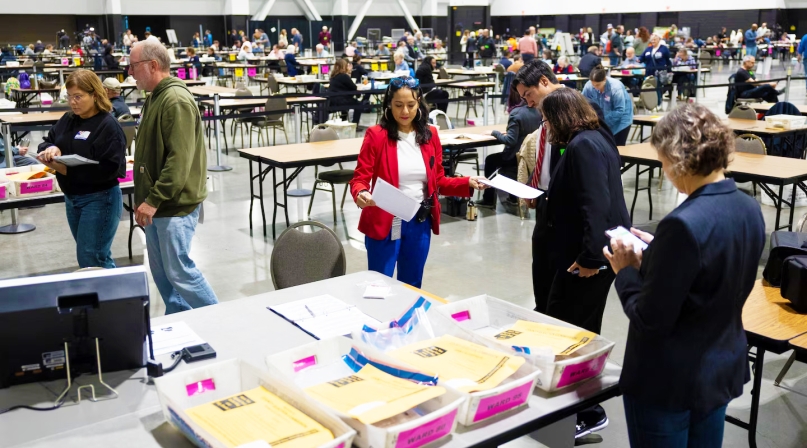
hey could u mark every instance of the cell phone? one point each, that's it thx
(624, 234)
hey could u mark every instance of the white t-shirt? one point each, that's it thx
(411, 169)
(543, 181)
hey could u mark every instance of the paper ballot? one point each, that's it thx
(511, 186)
(75, 160)
(394, 201)
(562, 340)
(371, 395)
(324, 316)
(459, 363)
(258, 414)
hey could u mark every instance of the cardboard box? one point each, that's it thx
(440, 421)
(180, 391)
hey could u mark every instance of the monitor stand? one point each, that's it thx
(92, 397)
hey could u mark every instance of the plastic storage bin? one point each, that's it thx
(786, 121)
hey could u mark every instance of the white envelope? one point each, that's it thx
(515, 188)
(394, 201)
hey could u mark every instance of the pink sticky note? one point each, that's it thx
(193, 74)
(581, 371)
(3, 192)
(717, 52)
(252, 71)
(181, 73)
(36, 186)
(490, 406)
(305, 363)
(461, 316)
(427, 432)
(325, 69)
(65, 61)
(626, 72)
(200, 387)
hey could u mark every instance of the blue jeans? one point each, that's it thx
(18, 160)
(182, 286)
(93, 219)
(751, 51)
(614, 59)
(804, 62)
(652, 427)
(409, 252)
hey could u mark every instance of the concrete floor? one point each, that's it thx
(490, 256)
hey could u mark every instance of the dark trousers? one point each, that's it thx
(527, 57)
(439, 97)
(653, 427)
(506, 168)
(543, 272)
(580, 301)
(765, 92)
(469, 59)
(621, 137)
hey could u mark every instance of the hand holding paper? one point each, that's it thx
(394, 201)
(510, 186)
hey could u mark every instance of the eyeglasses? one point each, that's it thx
(133, 64)
(76, 98)
(406, 81)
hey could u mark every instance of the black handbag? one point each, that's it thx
(794, 282)
(783, 245)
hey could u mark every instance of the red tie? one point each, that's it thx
(539, 161)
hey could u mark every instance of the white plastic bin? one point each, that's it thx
(786, 121)
(28, 188)
(229, 378)
(484, 316)
(439, 422)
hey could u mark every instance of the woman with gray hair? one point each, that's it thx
(685, 293)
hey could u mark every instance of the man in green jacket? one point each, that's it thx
(169, 177)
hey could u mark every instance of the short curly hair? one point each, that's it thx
(694, 140)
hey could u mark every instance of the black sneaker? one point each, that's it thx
(584, 429)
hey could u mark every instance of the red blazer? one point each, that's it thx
(379, 158)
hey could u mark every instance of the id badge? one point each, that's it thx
(396, 229)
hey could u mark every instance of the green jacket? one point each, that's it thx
(170, 169)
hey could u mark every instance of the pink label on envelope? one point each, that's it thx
(181, 73)
(584, 370)
(325, 69)
(200, 387)
(626, 72)
(305, 363)
(488, 407)
(193, 73)
(36, 186)
(2, 191)
(252, 71)
(427, 432)
(461, 316)
(341, 445)
(128, 178)
(717, 52)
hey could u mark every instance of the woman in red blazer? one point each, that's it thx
(404, 151)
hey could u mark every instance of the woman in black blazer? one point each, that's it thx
(340, 81)
(686, 352)
(584, 200)
(431, 94)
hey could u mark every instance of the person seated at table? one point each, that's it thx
(92, 196)
(517, 64)
(748, 87)
(439, 50)
(413, 50)
(404, 151)
(48, 49)
(341, 82)
(631, 60)
(383, 50)
(39, 47)
(277, 52)
(245, 53)
(505, 60)
(291, 61)
(29, 50)
(19, 153)
(193, 60)
(6, 54)
(521, 122)
(109, 60)
(683, 80)
(589, 61)
(547, 57)
(614, 100)
(321, 52)
(350, 50)
(216, 45)
(563, 67)
(358, 69)
(683, 296)
(112, 88)
(209, 68)
(400, 63)
(425, 75)
(236, 45)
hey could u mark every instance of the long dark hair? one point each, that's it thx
(423, 132)
(568, 112)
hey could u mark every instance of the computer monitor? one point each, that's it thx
(39, 314)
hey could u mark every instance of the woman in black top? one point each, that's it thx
(358, 68)
(341, 82)
(109, 59)
(430, 93)
(92, 195)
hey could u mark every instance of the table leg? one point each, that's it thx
(635, 192)
(792, 208)
(132, 224)
(274, 213)
(751, 425)
(286, 197)
(650, 191)
(779, 206)
(15, 227)
(251, 193)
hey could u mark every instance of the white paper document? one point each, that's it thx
(376, 291)
(511, 186)
(169, 338)
(75, 160)
(324, 316)
(394, 201)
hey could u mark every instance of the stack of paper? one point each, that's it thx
(371, 395)
(511, 186)
(459, 363)
(324, 316)
(75, 160)
(562, 340)
(259, 415)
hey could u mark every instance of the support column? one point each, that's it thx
(359, 17)
(114, 21)
(263, 10)
(408, 15)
